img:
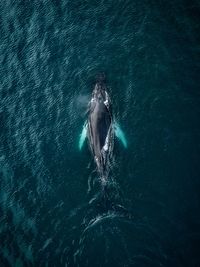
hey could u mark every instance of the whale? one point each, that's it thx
(100, 129)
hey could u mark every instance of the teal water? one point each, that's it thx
(52, 211)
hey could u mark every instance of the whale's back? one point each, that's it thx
(99, 124)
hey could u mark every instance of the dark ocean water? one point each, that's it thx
(52, 212)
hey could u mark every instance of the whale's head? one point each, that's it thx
(99, 94)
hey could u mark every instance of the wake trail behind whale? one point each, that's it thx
(108, 197)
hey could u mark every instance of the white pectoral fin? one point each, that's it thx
(83, 136)
(119, 133)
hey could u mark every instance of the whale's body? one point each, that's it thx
(100, 129)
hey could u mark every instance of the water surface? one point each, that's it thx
(52, 212)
